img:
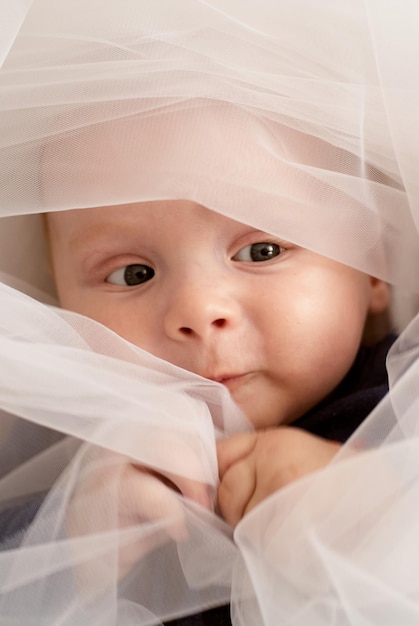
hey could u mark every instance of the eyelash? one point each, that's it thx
(136, 274)
(272, 246)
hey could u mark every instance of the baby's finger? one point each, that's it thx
(194, 490)
(234, 449)
(199, 492)
(179, 454)
(236, 490)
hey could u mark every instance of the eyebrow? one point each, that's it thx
(98, 233)
(92, 244)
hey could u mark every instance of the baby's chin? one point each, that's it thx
(263, 414)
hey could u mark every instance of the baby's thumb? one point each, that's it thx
(194, 490)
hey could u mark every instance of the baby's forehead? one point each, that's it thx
(132, 159)
(198, 153)
(145, 219)
(249, 168)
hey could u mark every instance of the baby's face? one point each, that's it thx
(278, 325)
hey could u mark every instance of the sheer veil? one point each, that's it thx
(299, 118)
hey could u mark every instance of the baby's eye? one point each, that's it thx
(131, 275)
(256, 252)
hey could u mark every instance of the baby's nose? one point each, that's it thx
(197, 311)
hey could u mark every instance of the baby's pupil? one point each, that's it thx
(136, 274)
(264, 251)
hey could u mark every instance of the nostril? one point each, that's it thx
(186, 331)
(219, 323)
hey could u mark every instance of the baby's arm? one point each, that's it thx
(252, 466)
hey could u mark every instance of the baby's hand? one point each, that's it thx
(116, 494)
(252, 466)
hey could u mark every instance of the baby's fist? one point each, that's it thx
(252, 466)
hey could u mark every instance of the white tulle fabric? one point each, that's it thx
(297, 117)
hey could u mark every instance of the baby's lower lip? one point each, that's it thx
(231, 382)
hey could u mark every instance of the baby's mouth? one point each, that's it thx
(231, 380)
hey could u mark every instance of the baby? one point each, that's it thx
(281, 327)
(278, 325)
(214, 103)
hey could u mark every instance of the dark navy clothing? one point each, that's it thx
(336, 418)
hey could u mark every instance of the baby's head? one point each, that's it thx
(277, 324)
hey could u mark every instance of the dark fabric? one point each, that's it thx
(215, 617)
(336, 417)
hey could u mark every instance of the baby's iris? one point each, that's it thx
(257, 252)
(131, 275)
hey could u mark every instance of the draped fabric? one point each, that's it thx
(298, 118)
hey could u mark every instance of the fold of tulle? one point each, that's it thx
(134, 101)
(297, 118)
(336, 547)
